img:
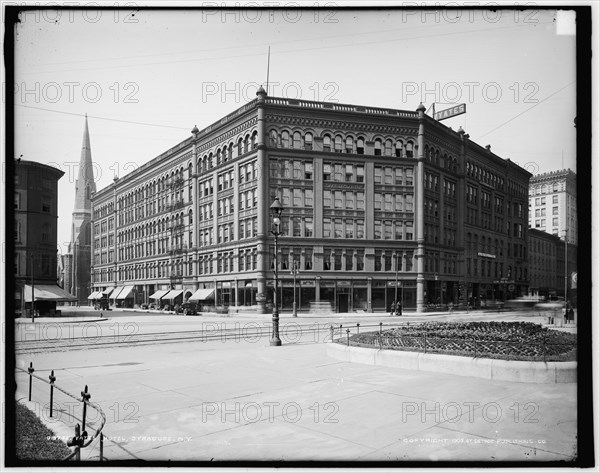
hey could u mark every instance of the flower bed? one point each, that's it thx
(504, 340)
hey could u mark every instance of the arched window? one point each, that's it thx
(253, 140)
(218, 157)
(230, 151)
(360, 146)
(285, 139)
(273, 138)
(239, 147)
(399, 149)
(297, 140)
(338, 144)
(377, 147)
(327, 143)
(388, 147)
(246, 143)
(308, 141)
(409, 150)
(349, 144)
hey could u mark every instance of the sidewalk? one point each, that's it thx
(245, 400)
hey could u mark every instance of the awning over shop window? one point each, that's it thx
(126, 292)
(159, 295)
(108, 290)
(173, 294)
(93, 295)
(44, 292)
(202, 295)
(116, 292)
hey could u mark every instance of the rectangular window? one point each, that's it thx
(326, 228)
(349, 227)
(327, 260)
(360, 201)
(377, 232)
(327, 199)
(338, 200)
(398, 173)
(360, 228)
(297, 198)
(338, 173)
(399, 198)
(308, 260)
(308, 198)
(409, 202)
(360, 261)
(378, 175)
(409, 177)
(338, 260)
(349, 261)
(308, 170)
(308, 227)
(327, 172)
(350, 200)
(555, 199)
(349, 173)
(297, 226)
(360, 173)
(337, 228)
(378, 201)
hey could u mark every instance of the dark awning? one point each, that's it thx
(45, 292)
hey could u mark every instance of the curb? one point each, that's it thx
(66, 320)
(487, 368)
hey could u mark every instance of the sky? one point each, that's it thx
(146, 77)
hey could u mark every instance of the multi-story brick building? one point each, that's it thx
(35, 235)
(547, 266)
(369, 195)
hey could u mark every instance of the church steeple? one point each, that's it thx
(78, 261)
(85, 184)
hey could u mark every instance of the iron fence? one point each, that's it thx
(81, 439)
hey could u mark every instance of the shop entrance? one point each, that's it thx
(343, 302)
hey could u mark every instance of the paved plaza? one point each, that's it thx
(241, 399)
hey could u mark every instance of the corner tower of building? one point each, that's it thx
(77, 266)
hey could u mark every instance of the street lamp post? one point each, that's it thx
(295, 270)
(276, 209)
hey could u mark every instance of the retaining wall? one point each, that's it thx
(521, 371)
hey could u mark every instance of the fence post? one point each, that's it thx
(341, 333)
(331, 331)
(85, 397)
(348, 336)
(30, 370)
(52, 379)
(101, 446)
(357, 328)
(425, 340)
(475, 344)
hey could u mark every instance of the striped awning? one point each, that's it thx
(172, 294)
(94, 294)
(159, 294)
(202, 295)
(125, 293)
